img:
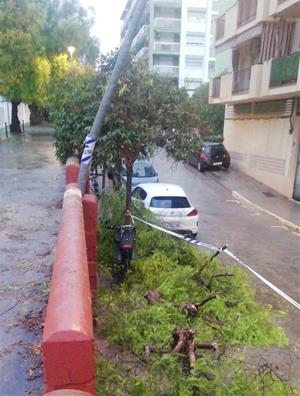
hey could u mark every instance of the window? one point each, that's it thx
(191, 85)
(141, 169)
(139, 193)
(211, 66)
(169, 202)
(196, 16)
(193, 63)
(195, 39)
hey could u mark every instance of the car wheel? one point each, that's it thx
(200, 166)
(194, 235)
(226, 166)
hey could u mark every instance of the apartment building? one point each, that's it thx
(257, 76)
(175, 38)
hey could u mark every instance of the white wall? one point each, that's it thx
(5, 112)
(265, 150)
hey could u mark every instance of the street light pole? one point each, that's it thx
(90, 140)
(71, 51)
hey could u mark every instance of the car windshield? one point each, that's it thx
(170, 202)
(143, 169)
(218, 148)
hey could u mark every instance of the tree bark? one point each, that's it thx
(129, 172)
(15, 126)
(37, 115)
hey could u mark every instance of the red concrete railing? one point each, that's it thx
(72, 171)
(67, 392)
(90, 207)
(68, 345)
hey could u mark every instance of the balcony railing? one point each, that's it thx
(220, 27)
(167, 23)
(142, 33)
(241, 81)
(166, 47)
(246, 11)
(216, 87)
(166, 70)
(142, 53)
(284, 70)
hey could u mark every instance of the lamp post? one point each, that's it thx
(71, 51)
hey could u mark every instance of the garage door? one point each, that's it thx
(297, 179)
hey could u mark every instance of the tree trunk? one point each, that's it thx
(37, 115)
(129, 172)
(15, 126)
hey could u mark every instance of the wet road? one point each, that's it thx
(255, 237)
(30, 195)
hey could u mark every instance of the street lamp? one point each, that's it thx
(71, 51)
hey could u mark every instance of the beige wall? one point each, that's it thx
(264, 149)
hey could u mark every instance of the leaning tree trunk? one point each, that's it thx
(15, 126)
(129, 173)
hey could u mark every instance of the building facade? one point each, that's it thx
(175, 38)
(257, 76)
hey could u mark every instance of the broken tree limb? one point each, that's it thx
(206, 345)
(209, 285)
(153, 296)
(192, 354)
(192, 309)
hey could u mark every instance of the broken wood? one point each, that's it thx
(231, 303)
(153, 296)
(209, 285)
(192, 309)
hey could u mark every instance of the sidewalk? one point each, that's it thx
(32, 183)
(252, 192)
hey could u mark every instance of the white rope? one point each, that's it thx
(195, 242)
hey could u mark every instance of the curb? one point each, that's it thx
(287, 223)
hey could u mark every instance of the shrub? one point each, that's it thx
(174, 269)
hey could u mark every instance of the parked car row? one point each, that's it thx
(169, 202)
(211, 155)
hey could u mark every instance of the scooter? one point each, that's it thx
(125, 240)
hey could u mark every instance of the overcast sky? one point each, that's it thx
(107, 27)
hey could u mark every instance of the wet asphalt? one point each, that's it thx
(31, 184)
(255, 237)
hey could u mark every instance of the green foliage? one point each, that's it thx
(32, 34)
(208, 119)
(20, 44)
(176, 270)
(73, 105)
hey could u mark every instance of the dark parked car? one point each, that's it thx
(212, 154)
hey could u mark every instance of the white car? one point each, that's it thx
(170, 204)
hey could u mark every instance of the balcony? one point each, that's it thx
(166, 48)
(216, 87)
(142, 34)
(285, 8)
(167, 24)
(260, 82)
(241, 81)
(173, 3)
(142, 54)
(166, 70)
(247, 10)
(220, 27)
(242, 19)
(284, 70)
